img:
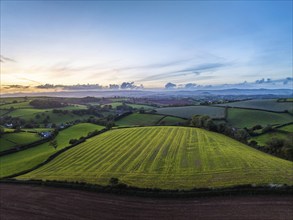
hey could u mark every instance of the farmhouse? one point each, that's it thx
(45, 134)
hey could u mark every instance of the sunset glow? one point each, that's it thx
(149, 43)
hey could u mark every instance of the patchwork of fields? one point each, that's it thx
(27, 159)
(167, 158)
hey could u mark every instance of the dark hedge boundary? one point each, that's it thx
(257, 109)
(53, 156)
(122, 115)
(123, 189)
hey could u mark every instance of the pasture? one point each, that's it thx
(18, 105)
(169, 120)
(262, 104)
(189, 111)
(39, 115)
(26, 114)
(264, 138)
(27, 159)
(11, 140)
(284, 133)
(287, 128)
(167, 158)
(241, 118)
(137, 119)
(3, 112)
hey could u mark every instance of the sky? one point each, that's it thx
(150, 43)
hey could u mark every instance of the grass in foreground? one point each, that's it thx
(27, 159)
(167, 158)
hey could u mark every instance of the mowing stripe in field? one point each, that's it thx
(166, 157)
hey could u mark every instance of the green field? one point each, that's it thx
(26, 114)
(11, 140)
(137, 106)
(10, 100)
(137, 119)
(169, 120)
(3, 112)
(26, 159)
(58, 118)
(288, 128)
(6, 130)
(189, 111)
(19, 105)
(241, 118)
(263, 104)
(37, 130)
(167, 158)
(285, 133)
(264, 138)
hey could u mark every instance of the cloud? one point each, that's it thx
(194, 70)
(4, 59)
(276, 81)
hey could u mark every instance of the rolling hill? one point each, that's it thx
(167, 158)
(27, 159)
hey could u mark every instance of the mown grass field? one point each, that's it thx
(26, 159)
(137, 119)
(165, 157)
(11, 140)
(189, 111)
(241, 118)
(263, 104)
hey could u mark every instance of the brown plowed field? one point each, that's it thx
(36, 202)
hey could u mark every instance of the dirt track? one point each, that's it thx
(36, 202)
